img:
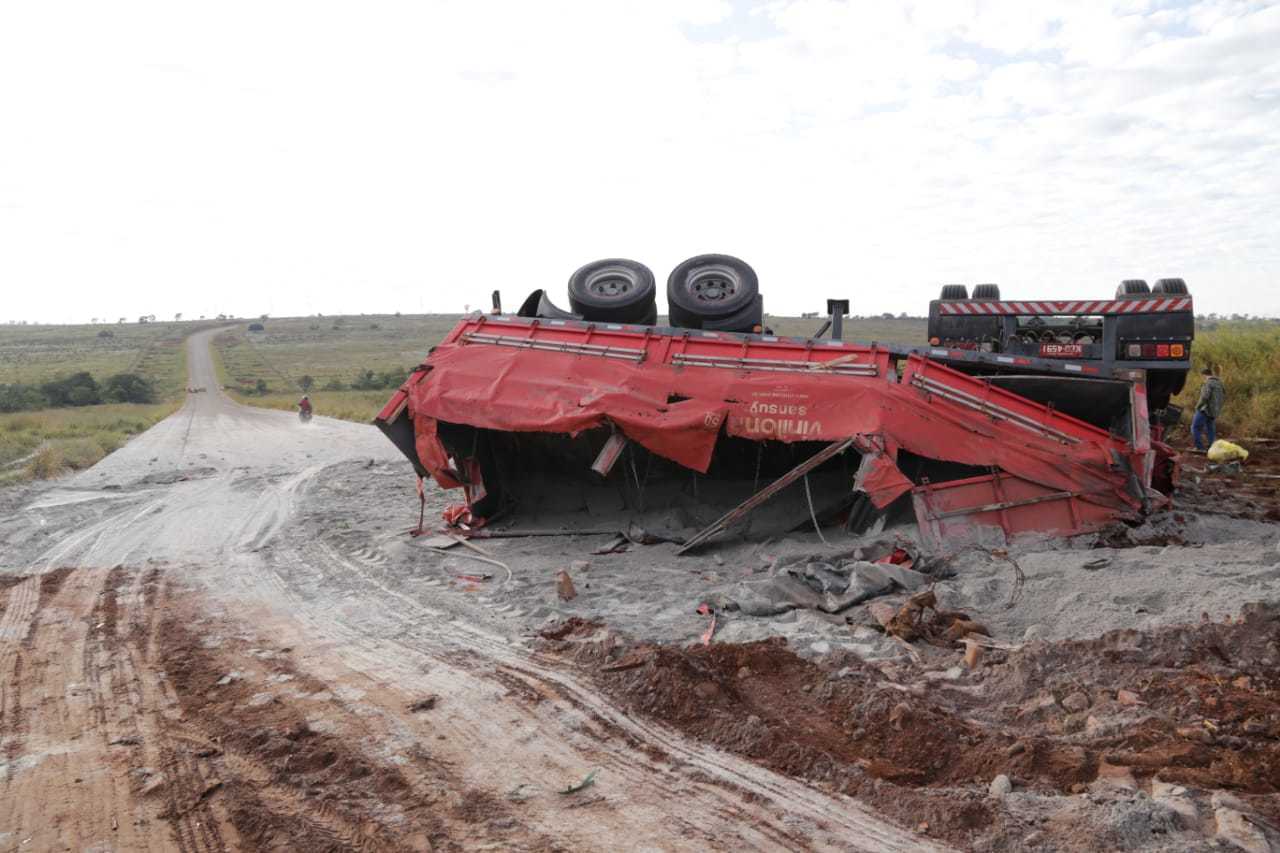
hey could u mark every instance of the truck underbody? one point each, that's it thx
(525, 413)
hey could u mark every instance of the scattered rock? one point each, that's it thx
(1033, 633)
(1128, 697)
(882, 613)
(820, 648)
(1098, 726)
(1038, 706)
(1114, 776)
(1227, 800)
(1073, 723)
(425, 704)
(1176, 799)
(154, 785)
(744, 672)
(1234, 827)
(1076, 702)
(564, 586)
(579, 565)
(972, 653)
(707, 689)
(1000, 787)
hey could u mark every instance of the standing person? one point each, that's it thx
(1212, 395)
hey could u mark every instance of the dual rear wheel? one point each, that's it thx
(717, 292)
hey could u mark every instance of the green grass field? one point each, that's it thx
(32, 354)
(1246, 355)
(43, 444)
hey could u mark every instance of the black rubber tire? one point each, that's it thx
(987, 291)
(706, 288)
(954, 291)
(1132, 288)
(1171, 286)
(745, 320)
(613, 290)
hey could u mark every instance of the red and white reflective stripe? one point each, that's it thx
(1157, 305)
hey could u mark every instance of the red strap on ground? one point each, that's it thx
(705, 610)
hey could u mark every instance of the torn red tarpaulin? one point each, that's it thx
(880, 478)
(673, 395)
(897, 557)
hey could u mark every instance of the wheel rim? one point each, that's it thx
(713, 285)
(610, 284)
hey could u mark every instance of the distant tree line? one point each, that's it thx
(366, 380)
(78, 389)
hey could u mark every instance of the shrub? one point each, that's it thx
(367, 380)
(306, 383)
(394, 378)
(21, 398)
(260, 387)
(334, 385)
(129, 388)
(46, 464)
(256, 327)
(78, 389)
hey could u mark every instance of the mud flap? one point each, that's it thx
(989, 510)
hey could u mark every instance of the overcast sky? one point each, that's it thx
(291, 158)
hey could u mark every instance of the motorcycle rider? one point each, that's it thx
(304, 406)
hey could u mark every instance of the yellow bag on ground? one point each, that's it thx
(1224, 451)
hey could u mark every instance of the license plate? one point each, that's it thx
(1062, 350)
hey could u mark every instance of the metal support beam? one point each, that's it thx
(744, 508)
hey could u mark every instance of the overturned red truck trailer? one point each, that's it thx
(977, 445)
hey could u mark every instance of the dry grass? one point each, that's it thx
(51, 442)
(359, 406)
(1246, 356)
(48, 443)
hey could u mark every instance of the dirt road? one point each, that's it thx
(180, 669)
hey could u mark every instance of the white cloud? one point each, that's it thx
(301, 157)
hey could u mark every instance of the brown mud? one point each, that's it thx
(1197, 706)
(1251, 492)
(133, 718)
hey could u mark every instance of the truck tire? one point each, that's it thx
(954, 291)
(745, 320)
(613, 290)
(710, 288)
(1170, 286)
(1132, 288)
(987, 291)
